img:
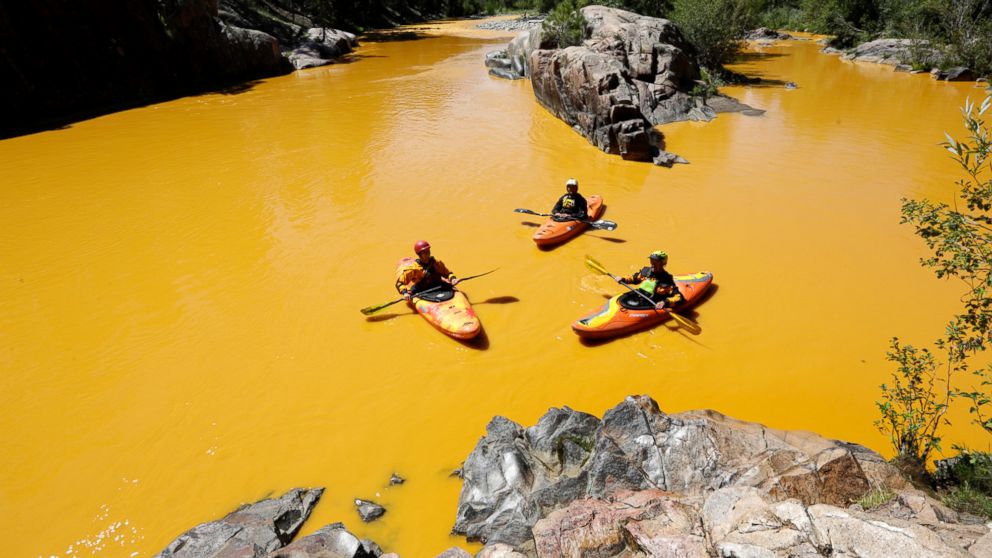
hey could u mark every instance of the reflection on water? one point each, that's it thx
(181, 283)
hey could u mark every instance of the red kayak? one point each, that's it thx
(628, 312)
(555, 232)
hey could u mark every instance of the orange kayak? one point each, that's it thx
(555, 232)
(628, 312)
(448, 310)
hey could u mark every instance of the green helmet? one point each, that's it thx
(659, 255)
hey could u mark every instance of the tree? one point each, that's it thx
(960, 238)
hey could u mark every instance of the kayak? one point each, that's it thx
(555, 232)
(627, 312)
(446, 309)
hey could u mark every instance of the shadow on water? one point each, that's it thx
(388, 36)
(27, 124)
(764, 83)
(387, 317)
(233, 89)
(498, 300)
(530, 224)
(352, 58)
(610, 239)
(480, 342)
(756, 56)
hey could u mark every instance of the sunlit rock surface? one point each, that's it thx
(691, 484)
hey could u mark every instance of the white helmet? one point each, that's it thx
(572, 182)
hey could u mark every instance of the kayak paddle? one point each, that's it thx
(685, 322)
(368, 310)
(602, 224)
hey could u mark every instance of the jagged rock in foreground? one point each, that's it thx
(251, 530)
(331, 541)
(691, 484)
(632, 73)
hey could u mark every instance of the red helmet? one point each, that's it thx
(421, 245)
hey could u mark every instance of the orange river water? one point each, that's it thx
(180, 283)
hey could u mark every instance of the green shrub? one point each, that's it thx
(914, 404)
(964, 498)
(715, 27)
(960, 240)
(564, 26)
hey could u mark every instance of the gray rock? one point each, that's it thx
(958, 73)
(765, 34)
(319, 46)
(516, 476)
(632, 73)
(895, 52)
(395, 479)
(505, 73)
(331, 541)
(369, 510)
(454, 552)
(250, 531)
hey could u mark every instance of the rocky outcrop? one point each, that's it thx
(691, 484)
(743, 521)
(266, 529)
(894, 52)
(301, 41)
(249, 531)
(766, 35)
(63, 61)
(631, 73)
(957, 73)
(319, 46)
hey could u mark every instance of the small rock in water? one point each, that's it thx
(458, 473)
(396, 479)
(368, 510)
(791, 85)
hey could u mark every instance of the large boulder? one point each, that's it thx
(319, 46)
(632, 73)
(249, 531)
(516, 476)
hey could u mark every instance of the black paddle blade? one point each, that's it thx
(603, 225)
(529, 212)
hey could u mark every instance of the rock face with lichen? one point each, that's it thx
(632, 73)
(691, 484)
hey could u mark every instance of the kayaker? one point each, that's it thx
(426, 273)
(572, 206)
(655, 282)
